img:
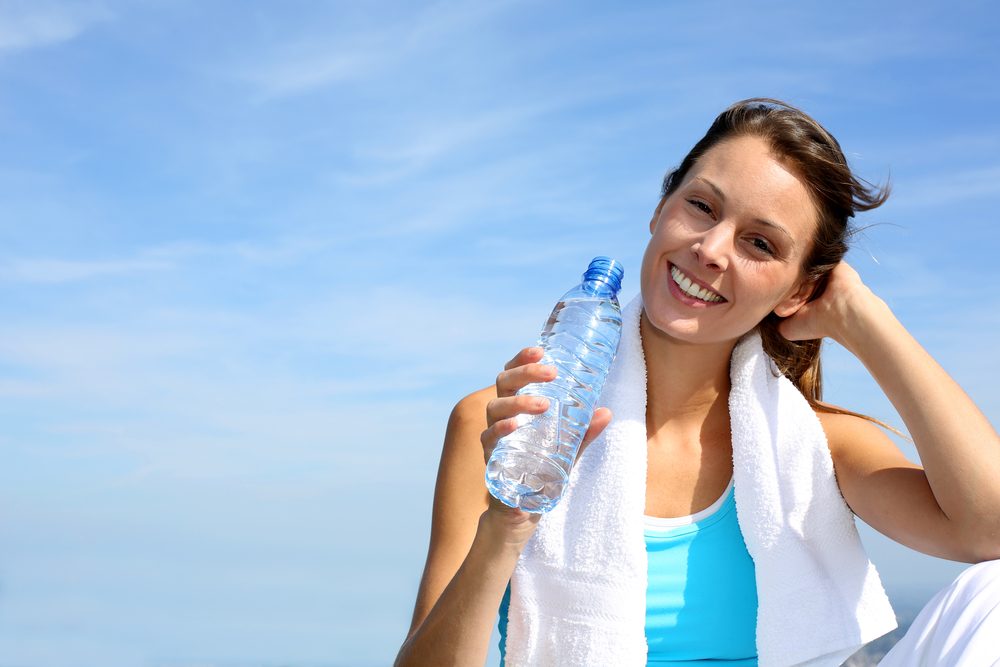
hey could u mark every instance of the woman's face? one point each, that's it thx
(736, 231)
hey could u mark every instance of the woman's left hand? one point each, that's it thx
(833, 311)
(950, 509)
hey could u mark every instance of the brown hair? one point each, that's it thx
(837, 193)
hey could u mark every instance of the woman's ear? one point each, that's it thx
(791, 304)
(656, 215)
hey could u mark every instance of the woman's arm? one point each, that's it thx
(457, 629)
(889, 492)
(958, 447)
(475, 540)
(460, 580)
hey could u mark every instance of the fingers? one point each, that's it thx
(523, 370)
(600, 420)
(492, 435)
(525, 356)
(502, 411)
(511, 406)
(501, 415)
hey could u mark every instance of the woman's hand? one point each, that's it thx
(958, 448)
(834, 312)
(501, 418)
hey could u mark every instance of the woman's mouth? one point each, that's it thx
(692, 289)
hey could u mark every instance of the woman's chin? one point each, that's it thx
(690, 331)
(683, 330)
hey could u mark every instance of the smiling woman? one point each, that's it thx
(717, 401)
(721, 244)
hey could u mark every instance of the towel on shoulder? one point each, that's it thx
(578, 592)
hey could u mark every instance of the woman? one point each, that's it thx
(749, 235)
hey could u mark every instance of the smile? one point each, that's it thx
(693, 289)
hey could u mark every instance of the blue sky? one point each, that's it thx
(251, 254)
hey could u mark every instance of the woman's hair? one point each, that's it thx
(815, 156)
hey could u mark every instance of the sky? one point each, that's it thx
(252, 253)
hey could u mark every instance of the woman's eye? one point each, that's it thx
(701, 206)
(762, 245)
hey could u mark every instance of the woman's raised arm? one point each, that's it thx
(959, 449)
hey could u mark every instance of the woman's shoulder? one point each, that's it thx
(471, 408)
(846, 430)
(462, 458)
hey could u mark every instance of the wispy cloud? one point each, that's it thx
(862, 47)
(290, 76)
(29, 24)
(66, 271)
(315, 62)
(428, 139)
(163, 257)
(948, 187)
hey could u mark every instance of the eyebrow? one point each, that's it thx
(722, 197)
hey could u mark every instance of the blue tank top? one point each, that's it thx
(701, 600)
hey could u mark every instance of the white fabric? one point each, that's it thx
(578, 592)
(959, 627)
(667, 523)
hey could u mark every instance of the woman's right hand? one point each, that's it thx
(516, 526)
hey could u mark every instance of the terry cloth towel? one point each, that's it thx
(578, 592)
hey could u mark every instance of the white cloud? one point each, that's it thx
(947, 187)
(28, 24)
(299, 75)
(425, 141)
(65, 270)
(163, 257)
(315, 62)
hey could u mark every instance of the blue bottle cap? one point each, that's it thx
(606, 270)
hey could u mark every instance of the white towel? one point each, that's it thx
(578, 592)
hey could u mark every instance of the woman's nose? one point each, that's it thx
(712, 248)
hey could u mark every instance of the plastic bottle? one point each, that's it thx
(530, 467)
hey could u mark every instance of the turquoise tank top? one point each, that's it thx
(701, 601)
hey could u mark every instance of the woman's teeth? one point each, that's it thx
(692, 289)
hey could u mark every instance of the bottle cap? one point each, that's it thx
(606, 270)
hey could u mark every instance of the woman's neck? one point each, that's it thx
(687, 386)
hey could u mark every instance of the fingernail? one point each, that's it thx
(541, 403)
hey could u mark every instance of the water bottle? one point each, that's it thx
(530, 467)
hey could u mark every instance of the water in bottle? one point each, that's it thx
(530, 467)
